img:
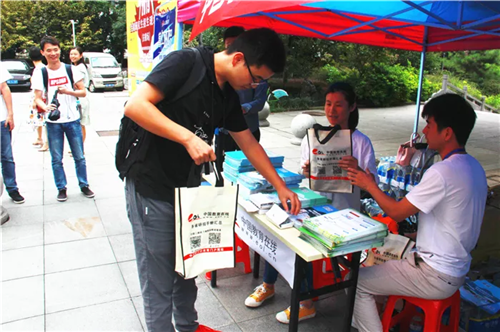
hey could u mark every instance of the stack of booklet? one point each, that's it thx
(236, 163)
(342, 232)
(307, 197)
(253, 182)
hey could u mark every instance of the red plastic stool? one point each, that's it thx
(433, 310)
(242, 255)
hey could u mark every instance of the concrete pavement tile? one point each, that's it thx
(74, 195)
(21, 263)
(83, 287)
(22, 298)
(32, 198)
(113, 316)
(111, 205)
(30, 185)
(114, 215)
(78, 254)
(210, 310)
(33, 324)
(123, 247)
(232, 293)
(22, 215)
(23, 176)
(102, 169)
(291, 151)
(229, 328)
(108, 190)
(73, 229)
(139, 308)
(21, 236)
(129, 272)
(68, 210)
(269, 323)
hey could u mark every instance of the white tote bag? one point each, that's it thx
(204, 228)
(327, 146)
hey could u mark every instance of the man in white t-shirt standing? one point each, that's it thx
(68, 123)
(7, 125)
(450, 200)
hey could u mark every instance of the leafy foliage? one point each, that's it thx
(99, 25)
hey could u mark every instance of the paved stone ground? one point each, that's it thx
(71, 266)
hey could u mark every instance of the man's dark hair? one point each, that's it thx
(49, 40)
(232, 32)
(451, 110)
(350, 96)
(261, 47)
(35, 54)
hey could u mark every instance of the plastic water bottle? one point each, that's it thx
(391, 169)
(416, 324)
(382, 170)
(79, 107)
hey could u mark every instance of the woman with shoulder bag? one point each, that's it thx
(76, 57)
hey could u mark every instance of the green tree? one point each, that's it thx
(100, 25)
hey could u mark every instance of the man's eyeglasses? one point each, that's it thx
(256, 82)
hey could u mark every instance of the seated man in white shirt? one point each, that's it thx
(450, 200)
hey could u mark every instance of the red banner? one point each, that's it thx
(208, 250)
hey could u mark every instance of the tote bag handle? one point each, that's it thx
(333, 130)
(194, 177)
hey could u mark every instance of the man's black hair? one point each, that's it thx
(232, 32)
(350, 96)
(49, 40)
(261, 47)
(35, 54)
(451, 110)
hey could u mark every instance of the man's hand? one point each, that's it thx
(362, 179)
(63, 91)
(349, 162)
(286, 195)
(306, 169)
(199, 151)
(49, 108)
(9, 122)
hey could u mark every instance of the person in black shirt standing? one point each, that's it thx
(183, 130)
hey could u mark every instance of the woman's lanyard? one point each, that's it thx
(460, 150)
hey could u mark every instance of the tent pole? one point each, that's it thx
(420, 80)
(180, 36)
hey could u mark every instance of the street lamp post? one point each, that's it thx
(74, 37)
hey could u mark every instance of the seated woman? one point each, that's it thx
(340, 109)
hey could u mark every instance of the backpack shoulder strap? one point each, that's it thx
(70, 75)
(195, 77)
(45, 76)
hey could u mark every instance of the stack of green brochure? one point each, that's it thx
(343, 232)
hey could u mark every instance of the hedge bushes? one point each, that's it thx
(291, 104)
(380, 84)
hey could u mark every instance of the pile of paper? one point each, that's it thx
(482, 294)
(342, 232)
(265, 200)
(255, 181)
(236, 163)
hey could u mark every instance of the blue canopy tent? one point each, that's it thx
(425, 26)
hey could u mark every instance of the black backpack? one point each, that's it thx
(45, 76)
(133, 140)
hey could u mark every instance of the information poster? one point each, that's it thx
(152, 31)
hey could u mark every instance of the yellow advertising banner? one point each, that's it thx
(152, 31)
